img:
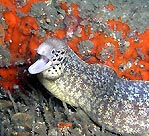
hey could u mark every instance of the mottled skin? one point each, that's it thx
(119, 105)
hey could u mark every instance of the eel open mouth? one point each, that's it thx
(40, 65)
(50, 52)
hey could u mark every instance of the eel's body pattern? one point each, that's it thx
(121, 106)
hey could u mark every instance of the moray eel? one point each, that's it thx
(121, 106)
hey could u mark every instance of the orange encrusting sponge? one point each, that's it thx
(138, 69)
(22, 36)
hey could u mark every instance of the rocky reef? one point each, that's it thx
(110, 32)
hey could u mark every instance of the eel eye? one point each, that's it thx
(53, 52)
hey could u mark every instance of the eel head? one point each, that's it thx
(52, 52)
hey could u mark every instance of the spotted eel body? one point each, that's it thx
(121, 106)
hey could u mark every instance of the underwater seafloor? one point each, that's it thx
(26, 107)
